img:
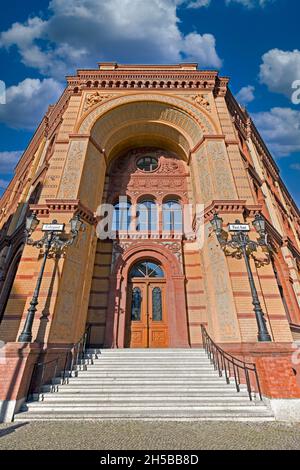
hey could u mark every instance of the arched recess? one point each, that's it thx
(154, 106)
(131, 121)
(116, 313)
(143, 134)
(9, 280)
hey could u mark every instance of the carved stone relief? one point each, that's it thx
(223, 180)
(96, 98)
(219, 290)
(202, 100)
(72, 173)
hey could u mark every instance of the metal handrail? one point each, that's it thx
(73, 358)
(231, 366)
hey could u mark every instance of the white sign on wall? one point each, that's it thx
(239, 228)
(53, 227)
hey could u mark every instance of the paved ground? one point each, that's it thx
(132, 435)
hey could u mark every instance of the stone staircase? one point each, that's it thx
(169, 384)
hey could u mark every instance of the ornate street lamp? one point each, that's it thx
(244, 248)
(53, 240)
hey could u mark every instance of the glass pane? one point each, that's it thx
(139, 270)
(146, 269)
(121, 216)
(156, 304)
(153, 270)
(172, 217)
(147, 216)
(147, 164)
(136, 304)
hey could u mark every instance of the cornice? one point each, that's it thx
(204, 138)
(159, 77)
(62, 206)
(231, 207)
(224, 207)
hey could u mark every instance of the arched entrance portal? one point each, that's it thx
(146, 322)
(147, 284)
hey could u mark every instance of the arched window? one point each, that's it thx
(172, 216)
(146, 269)
(147, 220)
(121, 216)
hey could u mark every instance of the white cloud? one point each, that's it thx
(27, 102)
(8, 161)
(279, 70)
(251, 3)
(198, 3)
(295, 166)
(280, 128)
(246, 95)
(79, 33)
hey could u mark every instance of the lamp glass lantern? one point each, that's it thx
(217, 223)
(32, 222)
(75, 223)
(259, 224)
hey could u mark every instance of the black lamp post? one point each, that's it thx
(244, 247)
(52, 240)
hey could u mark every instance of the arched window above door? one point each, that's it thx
(146, 268)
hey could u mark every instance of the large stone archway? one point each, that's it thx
(110, 128)
(177, 315)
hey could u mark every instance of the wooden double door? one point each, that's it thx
(146, 314)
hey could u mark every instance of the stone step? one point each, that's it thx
(203, 417)
(156, 397)
(148, 367)
(140, 374)
(215, 417)
(143, 380)
(146, 372)
(145, 396)
(142, 407)
(69, 390)
(147, 361)
(145, 385)
(135, 351)
(142, 354)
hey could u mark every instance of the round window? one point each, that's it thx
(147, 163)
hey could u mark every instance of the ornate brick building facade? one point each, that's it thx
(161, 137)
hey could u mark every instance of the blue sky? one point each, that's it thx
(254, 42)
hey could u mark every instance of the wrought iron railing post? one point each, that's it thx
(77, 351)
(232, 366)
